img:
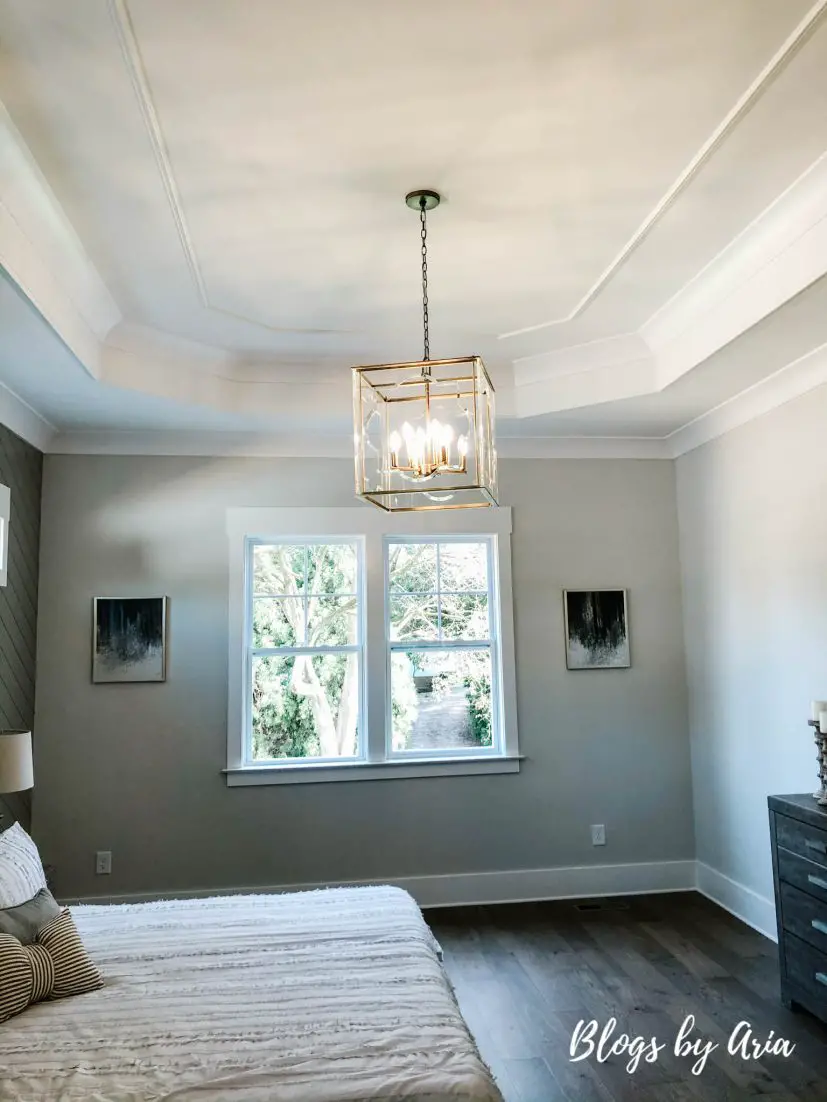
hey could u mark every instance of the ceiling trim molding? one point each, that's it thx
(617, 350)
(783, 386)
(781, 253)
(311, 446)
(775, 229)
(588, 387)
(719, 135)
(131, 52)
(167, 376)
(582, 447)
(37, 226)
(134, 63)
(25, 422)
(247, 445)
(44, 257)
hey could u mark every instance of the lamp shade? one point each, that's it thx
(16, 766)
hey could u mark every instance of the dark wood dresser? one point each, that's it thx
(798, 830)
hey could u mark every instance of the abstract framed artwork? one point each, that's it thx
(597, 629)
(129, 642)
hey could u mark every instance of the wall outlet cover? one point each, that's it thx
(598, 834)
(103, 862)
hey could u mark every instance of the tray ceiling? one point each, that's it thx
(213, 191)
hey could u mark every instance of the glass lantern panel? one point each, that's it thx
(418, 442)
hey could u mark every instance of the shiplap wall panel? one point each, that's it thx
(21, 469)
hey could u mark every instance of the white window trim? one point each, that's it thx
(368, 525)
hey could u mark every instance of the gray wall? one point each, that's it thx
(753, 530)
(136, 768)
(21, 469)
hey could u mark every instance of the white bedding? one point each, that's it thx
(324, 996)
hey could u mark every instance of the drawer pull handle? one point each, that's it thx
(817, 924)
(821, 977)
(819, 847)
(817, 881)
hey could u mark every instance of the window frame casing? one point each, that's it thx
(309, 524)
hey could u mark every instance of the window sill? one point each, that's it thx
(370, 771)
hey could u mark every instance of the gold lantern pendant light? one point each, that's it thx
(424, 430)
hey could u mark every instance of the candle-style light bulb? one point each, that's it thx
(394, 443)
(420, 448)
(462, 448)
(434, 440)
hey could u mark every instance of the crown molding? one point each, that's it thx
(779, 255)
(614, 351)
(792, 381)
(582, 447)
(131, 52)
(774, 230)
(242, 445)
(25, 422)
(783, 386)
(587, 387)
(742, 106)
(251, 445)
(43, 256)
(134, 64)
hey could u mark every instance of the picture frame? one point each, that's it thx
(596, 629)
(129, 639)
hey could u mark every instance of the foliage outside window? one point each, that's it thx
(306, 652)
(441, 639)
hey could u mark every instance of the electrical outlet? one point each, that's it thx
(598, 834)
(103, 862)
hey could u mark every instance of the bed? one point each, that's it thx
(324, 996)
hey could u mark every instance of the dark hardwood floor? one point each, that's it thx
(526, 974)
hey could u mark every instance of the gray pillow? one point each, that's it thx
(25, 920)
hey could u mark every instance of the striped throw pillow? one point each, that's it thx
(21, 871)
(54, 967)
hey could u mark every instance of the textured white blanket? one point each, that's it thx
(325, 996)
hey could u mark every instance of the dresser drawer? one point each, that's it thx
(804, 916)
(807, 970)
(801, 838)
(802, 874)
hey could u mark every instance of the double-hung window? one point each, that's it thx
(442, 617)
(305, 662)
(366, 645)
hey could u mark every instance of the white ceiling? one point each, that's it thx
(204, 202)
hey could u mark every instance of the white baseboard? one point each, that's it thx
(530, 885)
(756, 910)
(527, 886)
(469, 888)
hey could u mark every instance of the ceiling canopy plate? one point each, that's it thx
(414, 199)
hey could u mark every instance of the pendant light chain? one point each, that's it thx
(424, 236)
(438, 449)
